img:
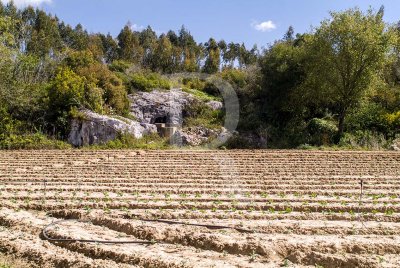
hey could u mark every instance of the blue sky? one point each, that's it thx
(251, 21)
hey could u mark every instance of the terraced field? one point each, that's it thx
(201, 208)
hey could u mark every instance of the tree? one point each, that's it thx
(163, 55)
(46, 39)
(289, 35)
(110, 48)
(66, 90)
(213, 60)
(345, 54)
(129, 47)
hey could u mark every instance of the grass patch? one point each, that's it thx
(127, 141)
(35, 141)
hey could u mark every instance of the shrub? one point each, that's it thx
(364, 140)
(200, 114)
(127, 141)
(31, 142)
(236, 77)
(120, 66)
(66, 90)
(322, 131)
(147, 82)
(115, 94)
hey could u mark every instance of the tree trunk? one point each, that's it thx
(342, 116)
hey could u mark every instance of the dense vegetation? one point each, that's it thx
(336, 85)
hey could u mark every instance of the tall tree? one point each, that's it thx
(129, 47)
(213, 60)
(345, 54)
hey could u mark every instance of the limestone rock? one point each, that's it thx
(97, 129)
(160, 106)
(215, 105)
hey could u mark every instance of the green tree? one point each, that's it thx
(346, 53)
(213, 60)
(129, 47)
(66, 90)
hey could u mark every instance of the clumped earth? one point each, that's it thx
(283, 208)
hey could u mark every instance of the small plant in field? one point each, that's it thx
(216, 195)
(264, 195)
(167, 195)
(253, 256)
(389, 212)
(271, 210)
(282, 195)
(231, 195)
(285, 263)
(288, 210)
(323, 203)
(198, 195)
(314, 195)
(393, 196)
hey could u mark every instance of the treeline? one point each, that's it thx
(339, 84)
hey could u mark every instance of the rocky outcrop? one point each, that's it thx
(215, 105)
(148, 109)
(395, 146)
(160, 106)
(94, 128)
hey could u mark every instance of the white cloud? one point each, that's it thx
(24, 3)
(136, 27)
(265, 26)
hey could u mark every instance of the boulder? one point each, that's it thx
(395, 146)
(215, 105)
(160, 106)
(96, 129)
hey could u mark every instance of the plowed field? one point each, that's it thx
(236, 208)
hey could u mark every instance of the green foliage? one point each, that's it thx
(322, 131)
(236, 77)
(200, 94)
(31, 142)
(364, 140)
(148, 82)
(126, 141)
(200, 114)
(66, 90)
(119, 66)
(344, 57)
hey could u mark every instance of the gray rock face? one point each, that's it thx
(97, 129)
(215, 105)
(395, 145)
(160, 106)
(148, 108)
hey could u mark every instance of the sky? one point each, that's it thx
(258, 22)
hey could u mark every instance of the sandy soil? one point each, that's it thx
(278, 208)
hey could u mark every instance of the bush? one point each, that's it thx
(147, 82)
(193, 83)
(322, 131)
(200, 114)
(236, 77)
(66, 90)
(31, 142)
(120, 66)
(127, 141)
(115, 94)
(364, 140)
